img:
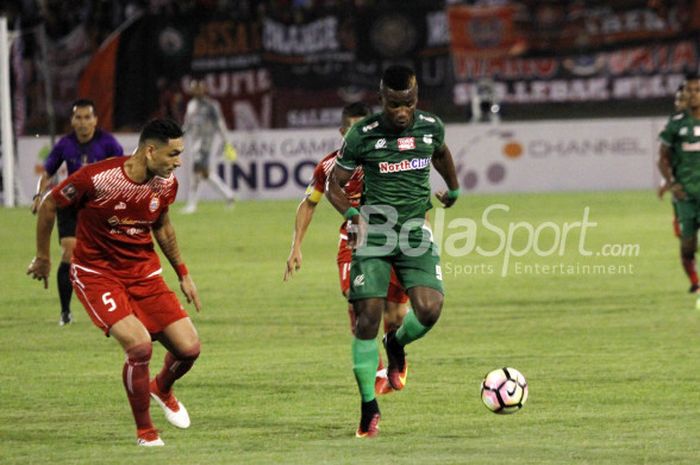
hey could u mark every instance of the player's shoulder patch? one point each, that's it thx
(69, 191)
(427, 118)
(368, 127)
(678, 116)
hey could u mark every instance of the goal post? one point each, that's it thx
(6, 137)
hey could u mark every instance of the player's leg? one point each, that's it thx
(220, 186)
(688, 219)
(108, 305)
(136, 342)
(67, 221)
(365, 360)
(199, 172)
(344, 259)
(421, 275)
(396, 304)
(676, 223)
(369, 279)
(394, 312)
(182, 343)
(162, 314)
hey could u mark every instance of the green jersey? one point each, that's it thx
(682, 136)
(396, 164)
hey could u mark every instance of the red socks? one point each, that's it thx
(175, 368)
(135, 377)
(689, 267)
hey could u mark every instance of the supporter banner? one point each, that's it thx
(310, 54)
(482, 31)
(564, 26)
(545, 156)
(642, 72)
(607, 24)
(145, 71)
(417, 37)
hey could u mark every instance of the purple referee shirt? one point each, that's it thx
(102, 145)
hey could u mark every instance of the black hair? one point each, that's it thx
(355, 109)
(398, 77)
(692, 77)
(160, 129)
(82, 103)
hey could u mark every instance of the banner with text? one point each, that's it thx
(313, 54)
(630, 73)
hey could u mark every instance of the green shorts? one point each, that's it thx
(688, 212)
(414, 266)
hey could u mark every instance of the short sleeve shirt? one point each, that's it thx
(682, 136)
(396, 165)
(103, 145)
(115, 217)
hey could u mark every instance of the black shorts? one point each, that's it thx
(67, 219)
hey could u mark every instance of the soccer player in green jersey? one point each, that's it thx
(679, 106)
(679, 163)
(395, 148)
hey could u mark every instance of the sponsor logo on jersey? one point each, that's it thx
(381, 143)
(690, 147)
(404, 165)
(428, 139)
(113, 221)
(406, 143)
(359, 280)
(696, 131)
(69, 191)
(683, 131)
(134, 231)
(426, 118)
(120, 206)
(370, 126)
(678, 116)
(154, 204)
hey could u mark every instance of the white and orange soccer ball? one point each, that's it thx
(504, 390)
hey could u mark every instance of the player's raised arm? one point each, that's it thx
(444, 164)
(40, 266)
(164, 232)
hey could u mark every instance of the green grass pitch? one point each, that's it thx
(611, 358)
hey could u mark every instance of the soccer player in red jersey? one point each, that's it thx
(115, 271)
(397, 299)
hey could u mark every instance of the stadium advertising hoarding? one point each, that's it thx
(548, 156)
(527, 157)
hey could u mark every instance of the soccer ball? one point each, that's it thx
(504, 390)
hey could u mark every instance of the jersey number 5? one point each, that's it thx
(109, 301)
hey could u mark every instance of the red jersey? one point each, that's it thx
(115, 216)
(353, 188)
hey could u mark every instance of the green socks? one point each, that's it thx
(365, 359)
(411, 329)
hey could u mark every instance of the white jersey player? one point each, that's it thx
(203, 123)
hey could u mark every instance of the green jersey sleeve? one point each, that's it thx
(440, 133)
(669, 134)
(350, 151)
